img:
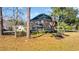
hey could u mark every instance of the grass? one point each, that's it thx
(45, 42)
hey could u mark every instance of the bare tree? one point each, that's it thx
(1, 21)
(28, 22)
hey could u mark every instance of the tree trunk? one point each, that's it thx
(28, 22)
(1, 21)
(16, 16)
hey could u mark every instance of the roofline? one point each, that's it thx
(39, 15)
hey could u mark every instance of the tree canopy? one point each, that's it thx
(66, 14)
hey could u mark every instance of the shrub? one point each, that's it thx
(33, 33)
(78, 27)
(68, 27)
(20, 30)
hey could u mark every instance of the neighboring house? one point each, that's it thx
(43, 21)
(7, 25)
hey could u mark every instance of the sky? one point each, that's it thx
(38, 10)
(8, 11)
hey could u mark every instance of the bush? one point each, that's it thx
(33, 33)
(20, 30)
(78, 27)
(68, 27)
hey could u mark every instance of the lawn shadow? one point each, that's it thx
(66, 35)
(36, 36)
(59, 37)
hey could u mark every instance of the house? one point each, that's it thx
(44, 22)
(7, 24)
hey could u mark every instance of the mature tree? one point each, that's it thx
(18, 15)
(1, 21)
(66, 14)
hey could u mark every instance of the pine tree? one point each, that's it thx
(1, 21)
(28, 22)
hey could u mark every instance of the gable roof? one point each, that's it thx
(41, 16)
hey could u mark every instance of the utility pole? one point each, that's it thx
(1, 21)
(28, 22)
